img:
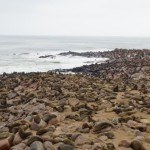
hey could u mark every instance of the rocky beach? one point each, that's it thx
(103, 106)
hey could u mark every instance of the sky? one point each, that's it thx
(75, 17)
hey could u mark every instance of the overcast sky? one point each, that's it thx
(75, 17)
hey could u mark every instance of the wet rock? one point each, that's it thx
(48, 56)
(37, 145)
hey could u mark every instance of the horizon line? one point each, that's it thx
(46, 35)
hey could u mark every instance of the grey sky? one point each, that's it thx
(75, 17)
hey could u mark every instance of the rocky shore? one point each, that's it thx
(102, 107)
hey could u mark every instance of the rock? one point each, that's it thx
(27, 148)
(133, 124)
(82, 139)
(62, 146)
(116, 89)
(139, 138)
(74, 136)
(28, 118)
(24, 134)
(84, 113)
(97, 146)
(48, 146)
(33, 139)
(109, 135)
(17, 139)
(87, 147)
(73, 102)
(20, 146)
(101, 126)
(53, 121)
(49, 117)
(138, 133)
(38, 108)
(38, 123)
(137, 145)
(48, 56)
(15, 101)
(124, 143)
(4, 135)
(42, 131)
(37, 145)
(4, 144)
(110, 146)
(12, 95)
(103, 138)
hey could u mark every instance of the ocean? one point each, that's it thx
(21, 53)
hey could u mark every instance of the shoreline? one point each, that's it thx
(102, 106)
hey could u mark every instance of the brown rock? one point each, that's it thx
(4, 144)
(124, 143)
(101, 126)
(20, 146)
(37, 145)
(17, 139)
(48, 146)
(137, 145)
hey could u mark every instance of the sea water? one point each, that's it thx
(21, 53)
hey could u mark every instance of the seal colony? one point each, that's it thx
(101, 107)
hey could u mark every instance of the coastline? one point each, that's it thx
(101, 106)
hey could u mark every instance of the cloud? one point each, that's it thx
(75, 17)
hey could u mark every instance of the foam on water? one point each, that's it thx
(30, 62)
(21, 54)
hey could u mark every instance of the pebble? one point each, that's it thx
(37, 145)
(48, 146)
(137, 145)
